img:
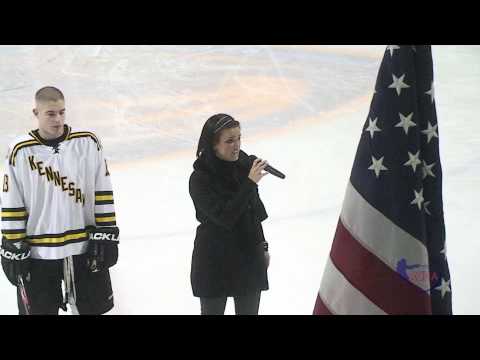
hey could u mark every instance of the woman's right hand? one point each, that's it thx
(256, 172)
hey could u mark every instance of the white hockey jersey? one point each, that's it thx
(53, 191)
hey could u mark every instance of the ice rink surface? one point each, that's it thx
(301, 107)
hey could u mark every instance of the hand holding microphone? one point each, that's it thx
(250, 161)
(256, 172)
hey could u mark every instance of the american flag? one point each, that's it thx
(388, 254)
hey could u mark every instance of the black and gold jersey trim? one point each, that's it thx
(105, 219)
(64, 136)
(17, 234)
(81, 134)
(55, 240)
(32, 134)
(21, 145)
(14, 214)
(103, 197)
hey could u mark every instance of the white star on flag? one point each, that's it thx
(431, 132)
(392, 48)
(418, 199)
(431, 92)
(427, 170)
(413, 160)
(398, 84)
(377, 166)
(444, 287)
(372, 127)
(425, 207)
(405, 122)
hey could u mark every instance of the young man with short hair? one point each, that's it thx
(58, 216)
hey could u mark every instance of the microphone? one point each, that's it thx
(248, 161)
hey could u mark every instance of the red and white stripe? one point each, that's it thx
(360, 276)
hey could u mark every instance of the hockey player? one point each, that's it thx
(58, 217)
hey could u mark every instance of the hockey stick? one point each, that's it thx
(73, 307)
(93, 266)
(23, 295)
(69, 279)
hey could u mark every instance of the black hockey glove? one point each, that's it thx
(15, 259)
(102, 250)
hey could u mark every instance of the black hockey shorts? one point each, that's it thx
(94, 295)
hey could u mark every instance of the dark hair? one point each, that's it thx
(211, 132)
(49, 93)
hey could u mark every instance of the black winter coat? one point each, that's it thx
(228, 256)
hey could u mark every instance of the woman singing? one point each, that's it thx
(230, 256)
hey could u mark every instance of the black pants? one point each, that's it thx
(44, 290)
(244, 305)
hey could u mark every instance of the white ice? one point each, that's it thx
(301, 107)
